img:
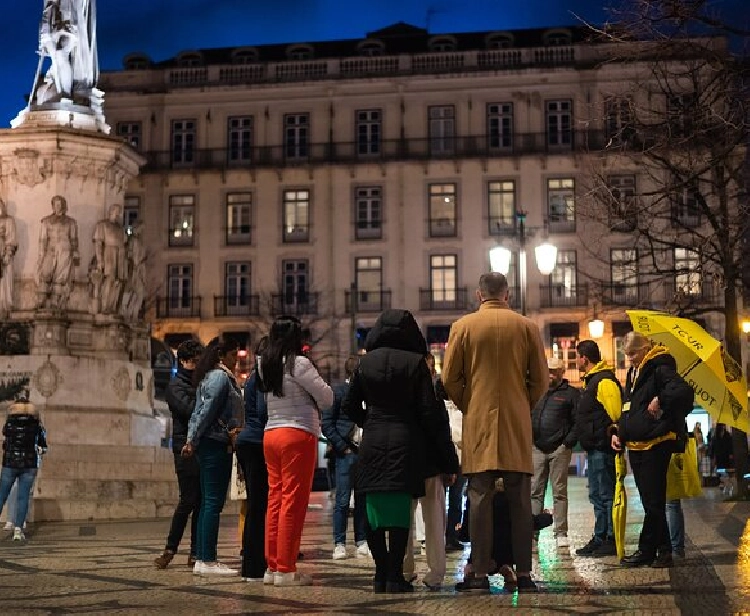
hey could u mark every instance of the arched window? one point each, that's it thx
(245, 55)
(442, 44)
(136, 62)
(500, 41)
(299, 52)
(557, 38)
(190, 59)
(371, 48)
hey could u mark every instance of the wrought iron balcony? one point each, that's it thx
(694, 290)
(180, 307)
(561, 296)
(625, 293)
(449, 300)
(297, 304)
(368, 301)
(236, 305)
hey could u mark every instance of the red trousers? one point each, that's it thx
(290, 459)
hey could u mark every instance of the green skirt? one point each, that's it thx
(389, 509)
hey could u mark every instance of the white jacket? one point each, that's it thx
(305, 393)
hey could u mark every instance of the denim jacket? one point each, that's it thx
(218, 407)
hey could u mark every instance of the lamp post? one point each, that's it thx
(545, 253)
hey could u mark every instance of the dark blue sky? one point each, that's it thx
(162, 28)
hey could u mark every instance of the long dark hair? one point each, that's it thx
(211, 356)
(284, 344)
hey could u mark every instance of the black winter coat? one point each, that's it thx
(23, 434)
(406, 435)
(553, 419)
(180, 398)
(657, 377)
(336, 426)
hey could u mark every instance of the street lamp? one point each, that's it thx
(545, 253)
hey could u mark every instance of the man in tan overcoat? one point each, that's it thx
(495, 371)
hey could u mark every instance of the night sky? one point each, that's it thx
(161, 28)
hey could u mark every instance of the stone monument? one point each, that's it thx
(72, 286)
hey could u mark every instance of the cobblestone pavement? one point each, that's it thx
(99, 568)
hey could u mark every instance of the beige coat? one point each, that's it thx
(495, 370)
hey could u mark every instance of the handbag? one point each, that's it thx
(683, 478)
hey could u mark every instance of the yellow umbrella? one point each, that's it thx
(620, 504)
(716, 378)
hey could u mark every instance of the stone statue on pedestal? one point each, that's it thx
(58, 255)
(8, 247)
(135, 290)
(108, 273)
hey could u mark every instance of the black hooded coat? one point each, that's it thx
(406, 435)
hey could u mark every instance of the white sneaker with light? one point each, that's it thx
(339, 552)
(217, 568)
(198, 567)
(18, 534)
(294, 578)
(269, 577)
(363, 551)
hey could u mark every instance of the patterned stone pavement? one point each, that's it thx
(107, 568)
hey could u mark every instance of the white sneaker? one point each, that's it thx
(363, 551)
(562, 541)
(18, 534)
(217, 568)
(294, 578)
(269, 576)
(339, 552)
(258, 579)
(8, 526)
(198, 567)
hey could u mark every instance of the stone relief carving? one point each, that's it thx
(29, 168)
(8, 247)
(121, 383)
(58, 256)
(47, 378)
(135, 290)
(107, 274)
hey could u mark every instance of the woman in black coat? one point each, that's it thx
(402, 422)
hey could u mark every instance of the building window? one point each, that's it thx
(237, 287)
(296, 135)
(240, 139)
(294, 286)
(369, 132)
(622, 204)
(183, 142)
(687, 265)
(559, 124)
(618, 121)
(563, 280)
(368, 272)
(442, 45)
(180, 286)
(190, 60)
(299, 53)
(500, 41)
(368, 212)
(181, 220)
(131, 133)
(442, 129)
(371, 48)
(624, 276)
(681, 114)
(500, 126)
(557, 39)
(561, 205)
(686, 211)
(443, 278)
(131, 212)
(296, 204)
(501, 199)
(442, 210)
(239, 217)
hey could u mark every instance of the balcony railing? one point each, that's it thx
(451, 300)
(178, 307)
(694, 292)
(625, 293)
(368, 301)
(297, 304)
(338, 152)
(561, 296)
(236, 305)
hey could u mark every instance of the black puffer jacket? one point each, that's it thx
(180, 398)
(23, 434)
(553, 419)
(406, 435)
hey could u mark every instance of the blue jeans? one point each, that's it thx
(25, 477)
(341, 508)
(676, 524)
(215, 464)
(601, 475)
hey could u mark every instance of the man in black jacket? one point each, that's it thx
(181, 401)
(553, 422)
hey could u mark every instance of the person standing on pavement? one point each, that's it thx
(599, 409)
(180, 398)
(553, 422)
(344, 436)
(495, 371)
(658, 400)
(218, 410)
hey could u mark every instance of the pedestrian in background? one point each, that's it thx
(295, 394)
(495, 371)
(218, 410)
(553, 423)
(344, 437)
(180, 396)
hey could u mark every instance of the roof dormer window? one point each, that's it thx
(299, 52)
(245, 55)
(190, 59)
(136, 62)
(442, 44)
(371, 48)
(557, 38)
(500, 41)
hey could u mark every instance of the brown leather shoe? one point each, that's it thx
(163, 561)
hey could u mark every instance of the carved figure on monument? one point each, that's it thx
(135, 291)
(58, 255)
(110, 260)
(8, 247)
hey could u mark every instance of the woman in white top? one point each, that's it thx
(295, 395)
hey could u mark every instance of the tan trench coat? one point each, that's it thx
(495, 371)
